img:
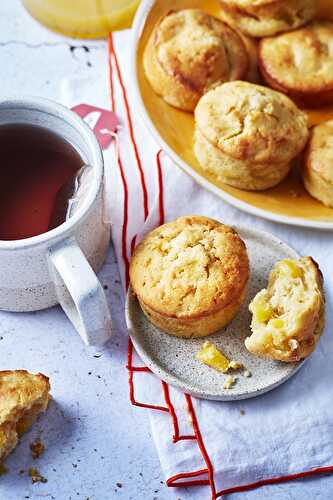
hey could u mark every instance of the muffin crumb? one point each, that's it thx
(229, 382)
(3, 470)
(235, 365)
(37, 449)
(36, 477)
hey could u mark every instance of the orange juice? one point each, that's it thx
(83, 18)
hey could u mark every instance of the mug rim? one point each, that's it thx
(50, 107)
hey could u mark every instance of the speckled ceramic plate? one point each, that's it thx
(173, 358)
(286, 203)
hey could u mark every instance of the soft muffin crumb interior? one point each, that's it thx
(287, 313)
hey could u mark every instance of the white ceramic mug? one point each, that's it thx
(59, 266)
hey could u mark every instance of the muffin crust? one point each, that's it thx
(234, 172)
(317, 169)
(22, 397)
(190, 275)
(260, 18)
(300, 63)
(247, 135)
(190, 52)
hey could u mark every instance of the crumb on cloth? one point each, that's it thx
(37, 448)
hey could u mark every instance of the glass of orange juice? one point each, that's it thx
(83, 18)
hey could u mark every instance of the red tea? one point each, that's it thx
(37, 176)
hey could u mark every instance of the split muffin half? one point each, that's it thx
(288, 316)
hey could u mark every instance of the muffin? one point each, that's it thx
(288, 316)
(247, 135)
(300, 63)
(261, 18)
(22, 397)
(317, 171)
(190, 276)
(190, 52)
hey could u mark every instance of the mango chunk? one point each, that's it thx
(277, 323)
(211, 356)
(262, 311)
(290, 268)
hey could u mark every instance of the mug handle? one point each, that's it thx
(79, 292)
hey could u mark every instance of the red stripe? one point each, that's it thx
(131, 130)
(123, 180)
(131, 384)
(171, 411)
(176, 435)
(201, 445)
(138, 369)
(176, 481)
(275, 480)
(131, 369)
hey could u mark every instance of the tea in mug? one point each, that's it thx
(38, 169)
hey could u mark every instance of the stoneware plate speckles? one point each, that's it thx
(173, 358)
(286, 203)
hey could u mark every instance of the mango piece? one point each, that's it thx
(211, 356)
(277, 323)
(291, 268)
(262, 311)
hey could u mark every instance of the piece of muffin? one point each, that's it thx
(190, 52)
(247, 135)
(317, 170)
(22, 397)
(288, 316)
(261, 18)
(300, 63)
(190, 276)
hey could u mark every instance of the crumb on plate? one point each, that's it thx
(229, 382)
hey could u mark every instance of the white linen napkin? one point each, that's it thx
(285, 432)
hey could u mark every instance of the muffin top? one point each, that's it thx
(267, 17)
(199, 50)
(243, 4)
(20, 390)
(302, 59)
(252, 123)
(190, 267)
(319, 154)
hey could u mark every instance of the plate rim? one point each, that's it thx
(172, 379)
(137, 28)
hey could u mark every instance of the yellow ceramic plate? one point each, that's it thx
(288, 202)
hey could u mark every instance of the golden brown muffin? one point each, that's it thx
(288, 316)
(300, 63)
(234, 172)
(260, 18)
(190, 52)
(247, 135)
(22, 397)
(190, 276)
(317, 169)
